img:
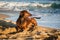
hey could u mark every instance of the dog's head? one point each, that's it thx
(25, 13)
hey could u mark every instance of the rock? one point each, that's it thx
(52, 37)
(53, 31)
(13, 36)
(29, 38)
(3, 36)
(9, 30)
(38, 33)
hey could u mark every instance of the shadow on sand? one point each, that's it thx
(7, 27)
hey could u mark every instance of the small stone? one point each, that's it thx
(3, 36)
(38, 33)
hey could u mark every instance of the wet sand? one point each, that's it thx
(3, 16)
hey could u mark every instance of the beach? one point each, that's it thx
(8, 32)
(46, 13)
(2, 16)
(49, 11)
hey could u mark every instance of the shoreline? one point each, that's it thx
(3, 16)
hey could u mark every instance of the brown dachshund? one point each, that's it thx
(25, 21)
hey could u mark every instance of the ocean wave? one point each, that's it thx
(54, 5)
(16, 6)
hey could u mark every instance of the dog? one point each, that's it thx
(25, 21)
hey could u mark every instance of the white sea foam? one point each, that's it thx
(16, 5)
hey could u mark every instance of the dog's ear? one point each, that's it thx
(30, 14)
(24, 13)
(21, 14)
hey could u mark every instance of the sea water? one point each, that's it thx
(48, 10)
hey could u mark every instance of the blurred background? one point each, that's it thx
(48, 10)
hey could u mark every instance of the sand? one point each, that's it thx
(3, 16)
(8, 31)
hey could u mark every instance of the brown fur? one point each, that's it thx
(24, 22)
